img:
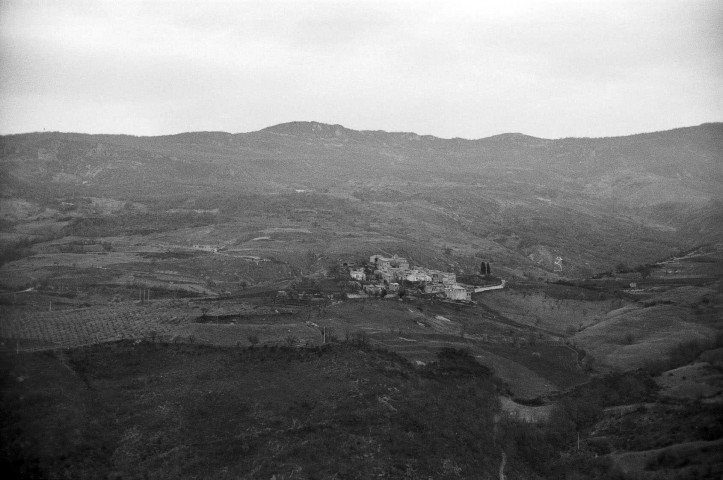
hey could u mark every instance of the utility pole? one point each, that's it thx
(324, 333)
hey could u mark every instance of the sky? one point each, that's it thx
(446, 68)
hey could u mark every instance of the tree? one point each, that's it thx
(310, 259)
(485, 268)
(645, 270)
(335, 270)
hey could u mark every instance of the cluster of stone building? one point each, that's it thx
(390, 271)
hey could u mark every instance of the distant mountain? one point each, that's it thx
(667, 185)
(683, 163)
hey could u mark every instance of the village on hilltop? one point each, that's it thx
(385, 275)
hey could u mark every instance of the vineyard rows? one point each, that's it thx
(83, 326)
(166, 320)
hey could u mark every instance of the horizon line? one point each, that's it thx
(353, 130)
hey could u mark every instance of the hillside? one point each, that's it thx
(288, 413)
(520, 199)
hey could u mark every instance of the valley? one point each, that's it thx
(150, 252)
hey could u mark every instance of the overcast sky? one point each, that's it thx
(451, 69)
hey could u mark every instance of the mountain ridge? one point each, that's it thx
(281, 127)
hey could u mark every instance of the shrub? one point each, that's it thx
(617, 389)
(530, 442)
(583, 411)
(685, 353)
(21, 250)
(682, 354)
(622, 268)
(457, 363)
(361, 338)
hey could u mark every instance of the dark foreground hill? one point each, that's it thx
(133, 410)
(169, 411)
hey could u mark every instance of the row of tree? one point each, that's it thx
(485, 268)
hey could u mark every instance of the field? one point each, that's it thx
(539, 338)
(417, 330)
(536, 307)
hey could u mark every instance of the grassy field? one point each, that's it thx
(634, 336)
(539, 308)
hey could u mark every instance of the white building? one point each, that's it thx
(457, 292)
(417, 276)
(373, 289)
(446, 278)
(383, 263)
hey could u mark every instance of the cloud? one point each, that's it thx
(451, 69)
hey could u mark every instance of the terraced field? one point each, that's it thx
(416, 331)
(174, 320)
(97, 324)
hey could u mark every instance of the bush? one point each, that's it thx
(682, 354)
(16, 252)
(135, 223)
(360, 338)
(685, 353)
(617, 389)
(582, 467)
(530, 442)
(457, 363)
(582, 412)
(667, 459)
